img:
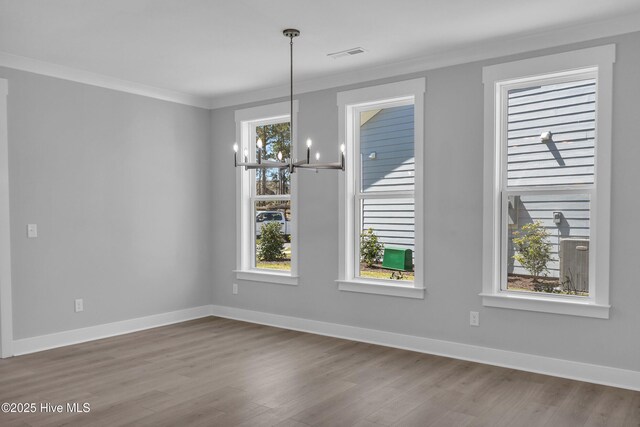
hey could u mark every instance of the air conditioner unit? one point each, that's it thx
(574, 263)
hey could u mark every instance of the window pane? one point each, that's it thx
(273, 238)
(548, 243)
(272, 182)
(387, 149)
(568, 111)
(275, 138)
(387, 239)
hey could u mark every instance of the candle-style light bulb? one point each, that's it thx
(246, 152)
(259, 143)
(235, 154)
(279, 155)
(317, 156)
(308, 142)
(342, 148)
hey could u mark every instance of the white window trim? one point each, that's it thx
(348, 101)
(494, 77)
(6, 316)
(244, 220)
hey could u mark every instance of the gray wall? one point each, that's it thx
(119, 186)
(453, 229)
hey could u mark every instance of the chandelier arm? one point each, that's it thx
(270, 165)
(331, 165)
(289, 164)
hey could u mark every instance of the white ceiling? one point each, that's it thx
(217, 48)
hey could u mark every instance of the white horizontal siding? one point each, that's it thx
(558, 110)
(392, 220)
(568, 111)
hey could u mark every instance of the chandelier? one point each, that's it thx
(291, 164)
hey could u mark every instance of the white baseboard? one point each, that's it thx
(597, 374)
(76, 336)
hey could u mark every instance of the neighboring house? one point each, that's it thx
(568, 112)
(387, 162)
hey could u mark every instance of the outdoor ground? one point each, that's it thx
(283, 265)
(516, 282)
(377, 272)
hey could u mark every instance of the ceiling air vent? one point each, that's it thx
(348, 52)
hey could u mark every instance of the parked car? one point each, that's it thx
(265, 217)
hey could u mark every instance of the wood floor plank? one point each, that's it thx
(221, 372)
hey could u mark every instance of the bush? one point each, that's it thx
(271, 244)
(533, 250)
(370, 248)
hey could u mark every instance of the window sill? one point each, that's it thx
(546, 304)
(267, 277)
(371, 287)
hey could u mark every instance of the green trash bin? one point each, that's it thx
(398, 259)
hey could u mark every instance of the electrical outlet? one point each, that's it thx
(79, 305)
(474, 318)
(32, 231)
(235, 289)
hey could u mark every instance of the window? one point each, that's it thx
(547, 183)
(381, 190)
(266, 200)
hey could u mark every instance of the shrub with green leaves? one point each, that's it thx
(271, 244)
(370, 248)
(533, 250)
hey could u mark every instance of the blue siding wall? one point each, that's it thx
(389, 134)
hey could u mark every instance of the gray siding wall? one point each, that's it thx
(568, 111)
(389, 134)
(574, 223)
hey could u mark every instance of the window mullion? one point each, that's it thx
(271, 197)
(514, 191)
(386, 195)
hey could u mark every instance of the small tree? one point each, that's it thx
(370, 248)
(271, 245)
(533, 250)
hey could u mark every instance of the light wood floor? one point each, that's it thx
(220, 372)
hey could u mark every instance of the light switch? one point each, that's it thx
(32, 231)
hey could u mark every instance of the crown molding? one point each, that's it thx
(94, 79)
(476, 52)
